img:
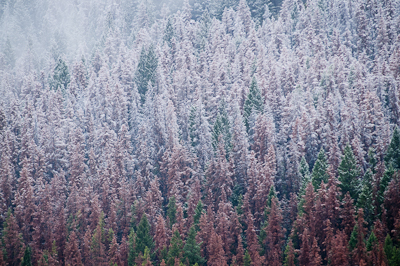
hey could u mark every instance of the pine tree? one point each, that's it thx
(253, 103)
(61, 76)
(192, 250)
(304, 175)
(320, 170)
(289, 254)
(175, 248)
(143, 238)
(275, 234)
(131, 248)
(392, 156)
(146, 71)
(14, 247)
(72, 254)
(247, 259)
(366, 198)
(217, 254)
(222, 128)
(171, 212)
(349, 173)
(27, 258)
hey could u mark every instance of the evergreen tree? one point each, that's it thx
(197, 215)
(143, 237)
(175, 248)
(222, 128)
(253, 103)
(27, 258)
(320, 170)
(171, 212)
(146, 71)
(392, 156)
(304, 175)
(61, 76)
(131, 248)
(169, 32)
(349, 173)
(192, 250)
(366, 197)
(247, 259)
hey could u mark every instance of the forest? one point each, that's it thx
(200, 133)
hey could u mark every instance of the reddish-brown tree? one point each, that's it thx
(252, 242)
(219, 177)
(275, 234)
(161, 234)
(25, 202)
(315, 257)
(359, 253)
(216, 251)
(347, 215)
(13, 244)
(72, 253)
(113, 253)
(339, 254)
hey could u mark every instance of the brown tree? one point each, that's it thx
(72, 253)
(216, 251)
(275, 234)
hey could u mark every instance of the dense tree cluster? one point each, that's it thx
(238, 137)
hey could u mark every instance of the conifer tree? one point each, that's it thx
(304, 175)
(320, 170)
(171, 211)
(72, 254)
(217, 254)
(253, 103)
(61, 76)
(14, 247)
(143, 238)
(27, 258)
(392, 156)
(192, 250)
(366, 197)
(349, 173)
(275, 234)
(146, 71)
(222, 127)
(131, 248)
(175, 248)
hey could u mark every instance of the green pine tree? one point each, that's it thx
(384, 183)
(61, 77)
(254, 102)
(353, 238)
(175, 248)
(247, 259)
(319, 172)
(222, 128)
(192, 250)
(143, 237)
(131, 248)
(349, 173)
(171, 212)
(392, 156)
(146, 71)
(304, 175)
(366, 200)
(372, 241)
(27, 259)
(197, 215)
(169, 32)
